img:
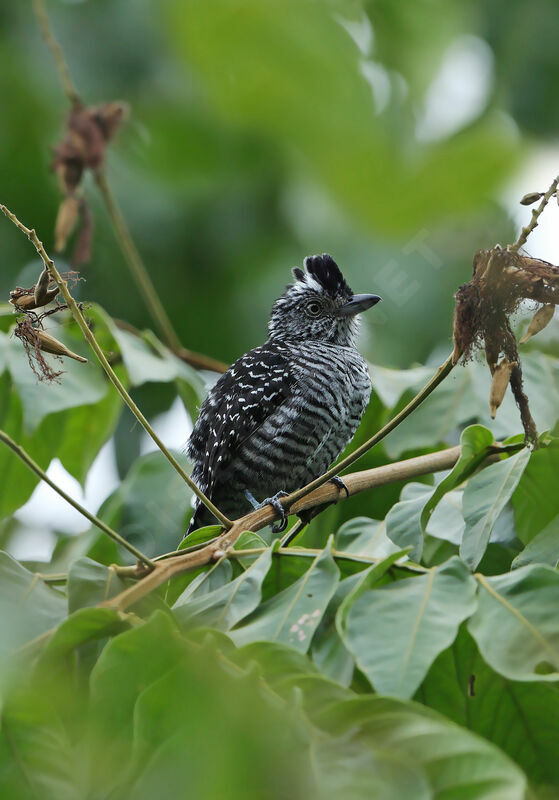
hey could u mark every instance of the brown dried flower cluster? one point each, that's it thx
(29, 327)
(501, 280)
(88, 129)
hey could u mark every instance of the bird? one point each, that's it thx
(284, 411)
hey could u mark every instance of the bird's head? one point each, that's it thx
(319, 305)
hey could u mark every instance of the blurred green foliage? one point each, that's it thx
(254, 139)
(261, 132)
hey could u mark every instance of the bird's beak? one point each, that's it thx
(358, 303)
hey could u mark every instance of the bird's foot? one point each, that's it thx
(339, 482)
(277, 527)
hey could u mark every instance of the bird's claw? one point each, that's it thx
(339, 482)
(281, 525)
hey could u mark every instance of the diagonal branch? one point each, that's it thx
(34, 467)
(111, 374)
(61, 65)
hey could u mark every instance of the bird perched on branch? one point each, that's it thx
(283, 412)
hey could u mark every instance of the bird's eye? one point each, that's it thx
(313, 308)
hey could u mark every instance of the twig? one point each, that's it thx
(536, 213)
(61, 65)
(28, 461)
(356, 482)
(80, 319)
(136, 265)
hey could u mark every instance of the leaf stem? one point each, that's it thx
(111, 374)
(34, 467)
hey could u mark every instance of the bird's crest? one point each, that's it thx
(324, 273)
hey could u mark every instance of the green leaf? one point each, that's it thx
(37, 753)
(520, 718)
(80, 384)
(515, 626)
(395, 632)
(84, 430)
(485, 497)
(292, 616)
(128, 664)
(140, 360)
(535, 499)
(364, 536)
(225, 607)
(91, 583)
(408, 740)
(543, 548)
(403, 520)
(474, 443)
(150, 506)
(28, 607)
(84, 625)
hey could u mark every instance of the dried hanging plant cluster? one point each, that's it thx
(29, 327)
(88, 129)
(502, 279)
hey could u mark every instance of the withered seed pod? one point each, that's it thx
(531, 198)
(501, 377)
(65, 220)
(41, 287)
(51, 345)
(541, 318)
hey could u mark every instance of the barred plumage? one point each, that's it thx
(284, 411)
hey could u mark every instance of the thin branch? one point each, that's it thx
(536, 213)
(34, 467)
(59, 60)
(216, 549)
(136, 265)
(80, 319)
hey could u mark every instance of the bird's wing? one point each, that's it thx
(242, 399)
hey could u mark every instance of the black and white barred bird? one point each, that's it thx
(283, 412)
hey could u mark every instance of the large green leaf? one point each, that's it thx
(520, 718)
(91, 583)
(292, 616)
(80, 384)
(396, 631)
(224, 607)
(543, 548)
(364, 536)
(474, 442)
(515, 625)
(28, 607)
(150, 506)
(406, 741)
(37, 752)
(535, 499)
(403, 520)
(484, 499)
